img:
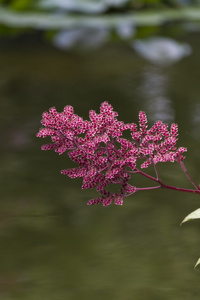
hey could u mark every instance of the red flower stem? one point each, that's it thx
(186, 173)
(149, 188)
(115, 147)
(163, 185)
(143, 189)
(156, 170)
(179, 189)
(76, 143)
(144, 174)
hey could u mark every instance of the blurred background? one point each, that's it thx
(137, 55)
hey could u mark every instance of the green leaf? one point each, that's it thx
(197, 263)
(193, 215)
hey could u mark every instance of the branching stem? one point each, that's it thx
(163, 185)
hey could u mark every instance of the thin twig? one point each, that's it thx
(186, 173)
(156, 170)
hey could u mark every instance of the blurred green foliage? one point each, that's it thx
(17, 4)
(86, 24)
(87, 5)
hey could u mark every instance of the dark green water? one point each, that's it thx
(52, 245)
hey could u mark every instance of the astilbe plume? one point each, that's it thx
(104, 156)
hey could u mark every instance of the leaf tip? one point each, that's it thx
(197, 263)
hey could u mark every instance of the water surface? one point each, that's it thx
(53, 246)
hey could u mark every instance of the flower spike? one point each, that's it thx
(103, 155)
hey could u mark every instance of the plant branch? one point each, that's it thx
(163, 185)
(149, 188)
(137, 171)
(156, 170)
(178, 189)
(186, 173)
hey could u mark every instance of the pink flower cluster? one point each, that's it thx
(101, 152)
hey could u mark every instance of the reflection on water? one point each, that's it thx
(195, 120)
(125, 29)
(53, 246)
(161, 51)
(154, 89)
(87, 38)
